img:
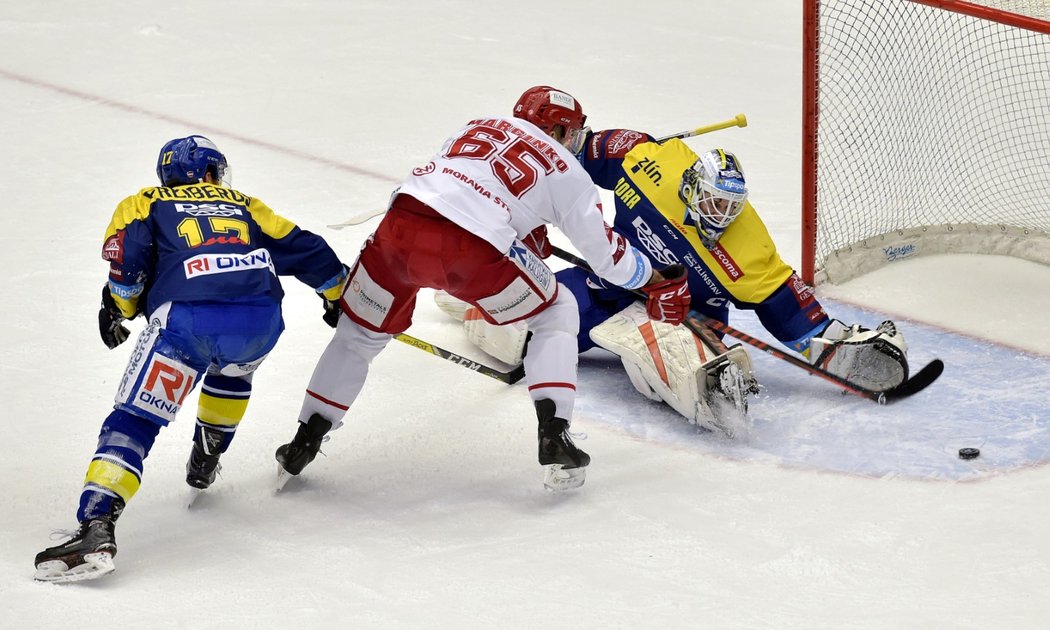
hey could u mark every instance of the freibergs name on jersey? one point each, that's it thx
(200, 192)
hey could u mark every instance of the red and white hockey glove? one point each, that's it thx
(536, 240)
(669, 298)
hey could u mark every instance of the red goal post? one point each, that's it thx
(926, 129)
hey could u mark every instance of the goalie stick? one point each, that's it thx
(739, 120)
(509, 378)
(699, 323)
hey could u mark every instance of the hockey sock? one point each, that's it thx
(223, 402)
(115, 471)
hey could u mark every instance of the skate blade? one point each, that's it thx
(558, 479)
(195, 493)
(95, 566)
(282, 478)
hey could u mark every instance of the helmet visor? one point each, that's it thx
(575, 138)
(717, 208)
(225, 174)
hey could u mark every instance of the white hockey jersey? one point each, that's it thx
(500, 178)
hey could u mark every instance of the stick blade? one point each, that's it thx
(918, 382)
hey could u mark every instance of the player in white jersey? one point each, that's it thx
(461, 223)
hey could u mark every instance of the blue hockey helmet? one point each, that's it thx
(714, 192)
(185, 161)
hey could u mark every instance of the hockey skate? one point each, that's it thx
(86, 556)
(729, 381)
(203, 464)
(564, 465)
(294, 456)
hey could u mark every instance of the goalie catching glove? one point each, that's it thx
(874, 359)
(668, 298)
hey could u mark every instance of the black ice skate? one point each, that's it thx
(85, 556)
(203, 464)
(302, 450)
(564, 464)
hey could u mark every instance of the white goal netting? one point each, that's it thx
(933, 135)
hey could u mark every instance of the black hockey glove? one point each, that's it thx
(109, 321)
(331, 311)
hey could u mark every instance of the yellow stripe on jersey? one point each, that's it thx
(272, 224)
(221, 411)
(112, 476)
(128, 307)
(135, 207)
(755, 269)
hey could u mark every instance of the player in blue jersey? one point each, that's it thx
(682, 208)
(201, 262)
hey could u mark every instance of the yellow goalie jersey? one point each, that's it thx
(743, 268)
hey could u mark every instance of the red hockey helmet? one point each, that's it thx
(547, 108)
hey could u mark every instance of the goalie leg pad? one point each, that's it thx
(667, 363)
(450, 305)
(874, 359)
(505, 342)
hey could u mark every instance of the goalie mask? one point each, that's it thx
(549, 108)
(184, 161)
(714, 193)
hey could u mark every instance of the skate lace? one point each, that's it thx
(59, 534)
(576, 437)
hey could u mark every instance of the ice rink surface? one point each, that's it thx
(428, 511)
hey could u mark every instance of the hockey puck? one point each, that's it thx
(968, 453)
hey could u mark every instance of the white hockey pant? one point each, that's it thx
(341, 371)
(550, 365)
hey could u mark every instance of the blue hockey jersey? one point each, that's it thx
(205, 242)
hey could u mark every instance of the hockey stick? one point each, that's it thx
(698, 324)
(358, 219)
(510, 377)
(738, 121)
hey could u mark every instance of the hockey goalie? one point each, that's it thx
(680, 207)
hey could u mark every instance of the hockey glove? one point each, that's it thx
(668, 299)
(110, 328)
(331, 312)
(538, 242)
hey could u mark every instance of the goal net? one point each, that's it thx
(926, 130)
